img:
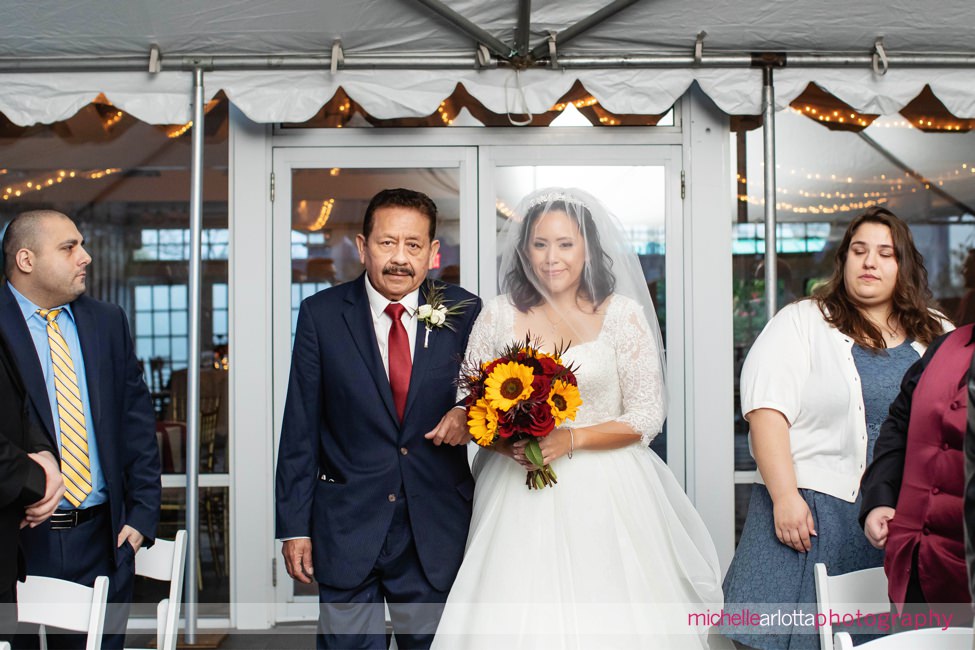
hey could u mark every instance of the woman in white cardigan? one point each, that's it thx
(815, 388)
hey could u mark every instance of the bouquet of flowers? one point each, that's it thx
(524, 393)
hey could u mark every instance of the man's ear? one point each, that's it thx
(25, 260)
(434, 249)
(360, 244)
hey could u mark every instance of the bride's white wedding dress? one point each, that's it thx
(614, 556)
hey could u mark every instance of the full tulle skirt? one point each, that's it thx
(614, 556)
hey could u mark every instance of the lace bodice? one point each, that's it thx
(618, 372)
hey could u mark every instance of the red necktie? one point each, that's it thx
(400, 362)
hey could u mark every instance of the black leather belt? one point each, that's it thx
(65, 519)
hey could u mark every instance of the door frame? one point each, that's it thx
(706, 367)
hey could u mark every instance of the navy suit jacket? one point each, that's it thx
(344, 452)
(22, 481)
(121, 410)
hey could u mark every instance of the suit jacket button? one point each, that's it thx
(392, 497)
(404, 450)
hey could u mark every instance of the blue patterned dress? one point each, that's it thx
(767, 576)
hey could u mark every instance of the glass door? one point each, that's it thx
(320, 197)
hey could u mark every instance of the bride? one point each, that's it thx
(614, 555)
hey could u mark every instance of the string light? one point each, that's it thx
(785, 206)
(175, 132)
(323, 215)
(49, 180)
(504, 209)
(112, 120)
(444, 117)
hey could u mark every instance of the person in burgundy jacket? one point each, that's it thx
(912, 492)
(969, 499)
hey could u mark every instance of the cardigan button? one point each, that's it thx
(935, 491)
(944, 447)
(926, 530)
(956, 405)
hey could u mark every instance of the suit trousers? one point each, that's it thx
(355, 618)
(8, 613)
(81, 554)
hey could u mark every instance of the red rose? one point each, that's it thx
(549, 366)
(541, 422)
(541, 385)
(506, 425)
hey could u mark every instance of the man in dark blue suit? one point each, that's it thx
(76, 358)
(372, 468)
(30, 483)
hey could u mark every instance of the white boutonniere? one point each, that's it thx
(437, 311)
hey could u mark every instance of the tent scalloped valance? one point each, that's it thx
(296, 96)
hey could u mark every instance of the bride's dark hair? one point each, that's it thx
(598, 281)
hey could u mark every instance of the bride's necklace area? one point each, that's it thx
(553, 324)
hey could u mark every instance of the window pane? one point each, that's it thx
(327, 210)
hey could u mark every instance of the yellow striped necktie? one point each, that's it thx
(75, 466)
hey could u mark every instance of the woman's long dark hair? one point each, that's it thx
(912, 299)
(598, 281)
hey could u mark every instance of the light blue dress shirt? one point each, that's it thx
(69, 330)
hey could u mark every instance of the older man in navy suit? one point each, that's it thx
(76, 358)
(373, 486)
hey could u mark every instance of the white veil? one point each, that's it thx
(611, 267)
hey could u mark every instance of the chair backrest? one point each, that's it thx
(68, 605)
(954, 638)
(847, 594)
(165, 560)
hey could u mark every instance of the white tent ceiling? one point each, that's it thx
(100, 30)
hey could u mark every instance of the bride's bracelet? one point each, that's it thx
(572, 442)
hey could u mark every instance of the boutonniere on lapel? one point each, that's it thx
(437, 312)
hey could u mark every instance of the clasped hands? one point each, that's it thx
(554, 445)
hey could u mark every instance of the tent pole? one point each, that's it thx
(468, 61)
(523, 33)
(193, 370)
(768, 131)
(567, 34)
(497, 46)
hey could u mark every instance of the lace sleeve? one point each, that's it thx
(638, 363)
(482, 345)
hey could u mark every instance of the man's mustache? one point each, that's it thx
(397, 269)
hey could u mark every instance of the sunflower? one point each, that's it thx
(508, 384)
(482, 420)
(564, 400)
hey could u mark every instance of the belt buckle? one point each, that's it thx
(64, 520)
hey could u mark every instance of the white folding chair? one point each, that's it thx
(63, 604)
(954, 638)
(165, 560)
(846, 594)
